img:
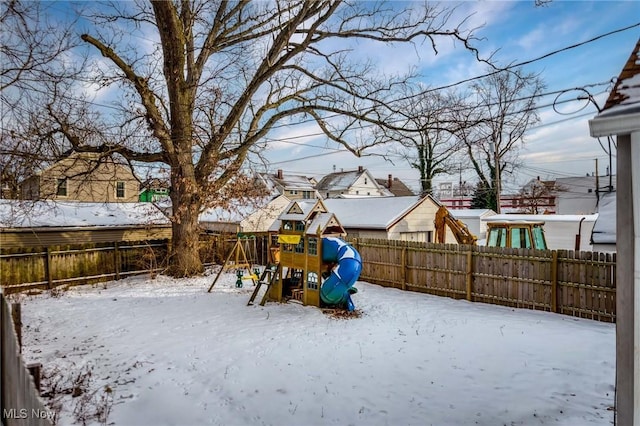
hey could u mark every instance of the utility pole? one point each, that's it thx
(597, 185)
(496, 154)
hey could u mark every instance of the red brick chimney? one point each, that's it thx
(389, 181)
(279, 175)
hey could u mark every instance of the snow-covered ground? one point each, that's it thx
(166, 352)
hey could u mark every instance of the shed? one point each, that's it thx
(45, 222)
(393, 218)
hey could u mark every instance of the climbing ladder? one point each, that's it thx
(268, 277)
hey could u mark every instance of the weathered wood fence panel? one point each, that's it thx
(579, 284)
(45, 268)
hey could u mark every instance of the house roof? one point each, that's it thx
(288, 181)
(397, 187)
(48, 213)
(339, 181)
(472, 213)
(625, 96)
(371, 212)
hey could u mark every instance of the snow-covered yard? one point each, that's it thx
(169, 353)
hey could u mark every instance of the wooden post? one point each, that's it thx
(469, 274)
(403, 261)
(48, 269)
(116, 259)
(554, 281)
(16, 316)
(35, 369)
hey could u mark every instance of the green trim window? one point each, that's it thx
(299, 226)
(61, 189)
(313, 246)
(120, 190)
(299, 248)
(312, 281)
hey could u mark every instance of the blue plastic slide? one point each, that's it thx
(338, 287)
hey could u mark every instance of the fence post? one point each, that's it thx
(469, 277)
(403, 261)
(116, 259)
(16, 316)
(554, 281)
(48, 269)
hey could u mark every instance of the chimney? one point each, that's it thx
(279, 175)
(389, 181)
(359, 169)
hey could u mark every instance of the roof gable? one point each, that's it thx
(626, 91)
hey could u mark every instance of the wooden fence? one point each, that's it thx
(48, 267)
(581, 284)
(573, 283)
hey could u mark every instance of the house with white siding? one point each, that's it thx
(352, 183)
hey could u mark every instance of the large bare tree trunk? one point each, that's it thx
(185, 256)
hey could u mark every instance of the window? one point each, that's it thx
(312, 246)
(520, 238)
(497, 237)
(365, 181)
(62, 187)
(299, 226)
(287, 226)
(287, 248)
(312, 281)
(119, 189)
(299, 248)
(538, 238)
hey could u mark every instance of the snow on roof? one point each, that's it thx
(625, 96)
(604, 230)
(542, 217)
(471, 213)
(371, 212)
(46, 213)
(338, 181)
(305, 206)
(236, 212)
(321, 220)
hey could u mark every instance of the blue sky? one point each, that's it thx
(560, 145)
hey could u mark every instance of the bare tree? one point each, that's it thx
(502, 109)
(424, 129)
(213, 77)
(33, 50)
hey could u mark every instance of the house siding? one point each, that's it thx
(86, 180)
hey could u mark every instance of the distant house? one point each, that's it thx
(154, 190)
(353, 183)
(395, 186)
(580, 195)
(393, 218)
(83, 177)
(292, 186)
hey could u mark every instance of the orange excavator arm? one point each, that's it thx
(459, 229)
